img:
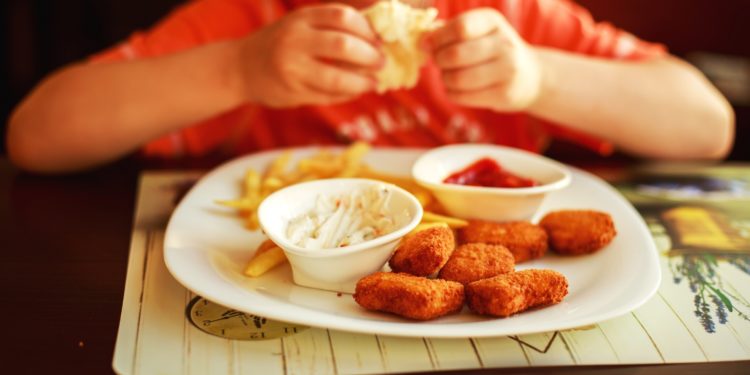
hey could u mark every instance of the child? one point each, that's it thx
(235, 76)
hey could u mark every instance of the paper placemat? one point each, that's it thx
(700, 222)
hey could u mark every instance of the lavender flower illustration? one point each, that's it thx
(712, 299)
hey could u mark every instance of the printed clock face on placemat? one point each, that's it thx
(228, 323)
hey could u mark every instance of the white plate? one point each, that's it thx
(206, 247)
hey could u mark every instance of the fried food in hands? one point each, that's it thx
(475, 261)
(409, 296)
(576, 232)
(525, 241)
(423, 253)
(512, 293)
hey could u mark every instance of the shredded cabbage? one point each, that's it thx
(347, 219)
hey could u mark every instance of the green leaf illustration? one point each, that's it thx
(723, 298)
(711, 259)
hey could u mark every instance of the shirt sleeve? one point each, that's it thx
(195, 23)
(190, 25)
(565, 25)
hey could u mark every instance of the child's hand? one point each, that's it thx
(485, 63)
(316, 55)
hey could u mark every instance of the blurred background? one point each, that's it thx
(40, 36)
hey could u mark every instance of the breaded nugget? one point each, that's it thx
(575, 232)
(476, 261)
(512, 293)
(409, 296)
(425, 252)
(525, 241)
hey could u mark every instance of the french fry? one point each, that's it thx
(292, 177)
(453, 222)
(403, 182)
(323, 164)
(263, 262)
(352, 159)
(251, 221)
(422, 194)
(324, 154)
(272, 179)
(279, 165)
(423, 226)
(264, 246)
(252, 185)
(424, 197)
(320, 168)
(271, 184)
(241, 204)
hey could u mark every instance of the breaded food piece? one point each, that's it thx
(425, 252)
(575, 232)
(475, 261)
(409, 296)
(525, 241)
(512, 293)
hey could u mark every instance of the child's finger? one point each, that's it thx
(317, 97)
(343, 18)
(470, 52)
(470, 25)
(476, 98)
(474, 77)
(345, 47)
(333, 80)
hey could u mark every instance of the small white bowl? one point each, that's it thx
(336, 269)
(489, 203)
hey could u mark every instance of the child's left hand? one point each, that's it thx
(485, 63)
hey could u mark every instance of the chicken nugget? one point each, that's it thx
(512, 293)
(576, 232)
(425, 252)
(525, 241)
(409, 296)
(476, 261)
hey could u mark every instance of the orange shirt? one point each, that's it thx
(420, 117)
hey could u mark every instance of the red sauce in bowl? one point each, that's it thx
(487, 172)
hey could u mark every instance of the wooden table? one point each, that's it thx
(64, 243)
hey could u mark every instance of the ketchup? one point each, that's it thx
(487, 172)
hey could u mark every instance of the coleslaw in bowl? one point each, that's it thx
(335, 231)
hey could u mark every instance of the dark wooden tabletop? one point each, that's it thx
(64, 243)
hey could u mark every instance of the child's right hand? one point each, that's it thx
(316, 55)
